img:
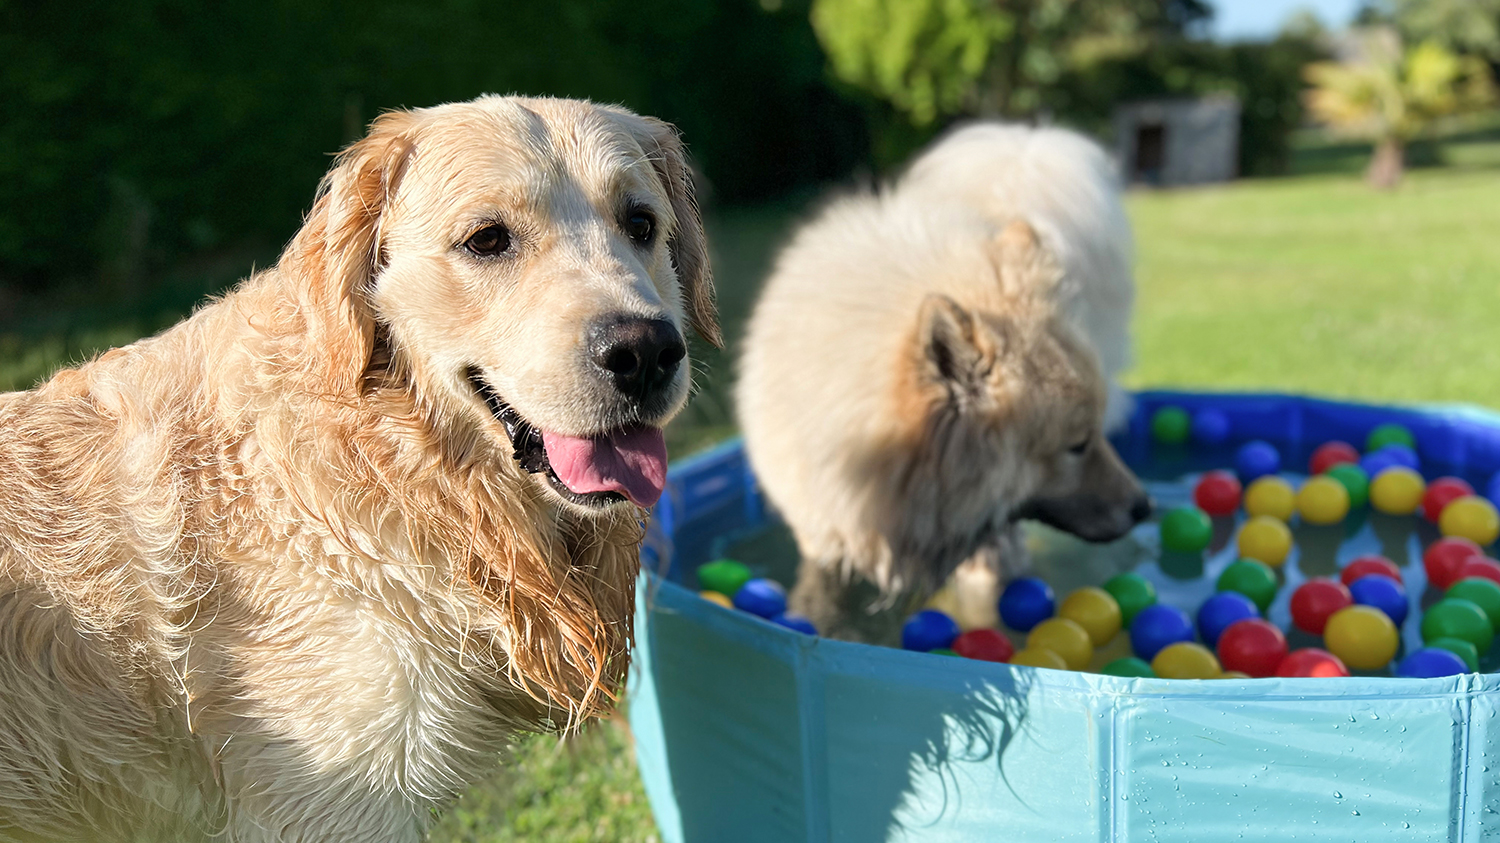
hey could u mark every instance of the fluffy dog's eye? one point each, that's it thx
(1080, 448)
(640, 225)
(489, 241)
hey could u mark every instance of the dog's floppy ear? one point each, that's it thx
(949, 342)
(1029, 272)
(688, 245)
(338, 251)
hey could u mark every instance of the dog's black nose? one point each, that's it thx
(639, 354)
(1141, 509)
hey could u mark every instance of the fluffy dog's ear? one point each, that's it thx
(1029, 272)
(688, 245)
(949, 343)
(339, 251)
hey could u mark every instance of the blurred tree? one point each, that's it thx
(1464, 26)
(1391, 95)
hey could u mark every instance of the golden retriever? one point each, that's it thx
(298, 568)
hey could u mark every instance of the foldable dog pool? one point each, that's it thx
(746, 731)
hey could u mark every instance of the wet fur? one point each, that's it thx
(273, 575)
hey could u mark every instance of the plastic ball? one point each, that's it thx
(1251, 578)
(1170, 425)
(1255, 460)
(1235, 674)
(942, 651)
(1315, 601)
(1313, 662)
(1483, 593)
(796, 623)
(1355, 482)
(1026, 602)
(1381, 592)
(1431, 662)
(1133, 592)
(1186, 529)
(1323, 500)
(716, 597)
(1455, 617)
(928, 629)
(1157, 626)
(1038, 657)
(1065, 638)
(1330, 454)
(1128, 666)
(1440, 493)
(986, 645)
(1480, 567)
(761, 597)
(1362, 566)
(1363, 637)
(1444, 557)
(1470, 517)
(1217, 493)
(1272, 497)
(1401, 455)
(1210, 427)
(725, 576)
(1390, 434)
(1465, 650)
(1397, 491)
(1253, 647)
(1185, 660)
(1373, 464)
(1221, 610)
(1094, 610)
(1265, 539)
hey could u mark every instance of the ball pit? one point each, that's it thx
(1315, 601)
(1186, 529)
(1255, 460)
(1220, 611)
(1272, 497)
(1363, 637)
(1397, 490)
(1132, 593)
(1026, 602)
(1382, 593)
(1096, 611)
(1311, 662)
(1323, 500)
(1218, 493)
(1156, 626)
(1355, 481)
(1442, 492)
(1470, 517)
(1362, 566)
(928, 629)
(1445, 557)
(1330, 454)
(1430, 662)
(1265, 539)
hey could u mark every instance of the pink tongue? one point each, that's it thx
(631, 461)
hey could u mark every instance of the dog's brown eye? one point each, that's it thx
(640, 225)
(1080, 448)
(489, 241)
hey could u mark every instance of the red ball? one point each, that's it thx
(1330, 454)
(986, 645)
(1252, 646)
(1363, 566)
(1479, 566)
(1218, 493)
(1317, 599)
(1440, 493)
(1311, 661)
(1444, 557)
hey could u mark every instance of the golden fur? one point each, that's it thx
(275, 574)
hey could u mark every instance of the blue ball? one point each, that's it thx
(1375, 462)
(1402, 455)
(761, 597)
(1255, 460)
(1026, 602)
(1381, 592)
(796, 623)
(928, 629)
(1221, 610)
(1210, 427)
(1156, 626)
(1429, 662)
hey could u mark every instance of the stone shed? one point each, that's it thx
(1178, 141)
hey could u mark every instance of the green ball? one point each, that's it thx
(1129, 666)
(1133, 592)
(725, 576)
(1186, 529)
(943, 651)
(1461, 648)
(1389, 434)
(1482, 593)
(1355, 481)
(1454, 617)
(1253, 579)
(1170, 425)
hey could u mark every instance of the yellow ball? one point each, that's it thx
(1397, 491)
(1233, 674)
(1323, 500)
(716, 597)
(1470, 517)
(1265, 539)
(1095, 610)
(1362, 636)
(1271, 496)
(1065, 638)
(1039, 657)
(1185, 660)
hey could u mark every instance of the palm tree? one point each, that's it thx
(1380, 91)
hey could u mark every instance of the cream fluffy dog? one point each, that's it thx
(297, 569)
(929, 364)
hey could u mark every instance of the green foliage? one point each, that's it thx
(1463, 26)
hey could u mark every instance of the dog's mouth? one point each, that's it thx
(627, 463)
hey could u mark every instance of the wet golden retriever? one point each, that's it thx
(299, 567)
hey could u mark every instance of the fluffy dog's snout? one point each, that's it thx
(1142, 508)
(639, 355)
